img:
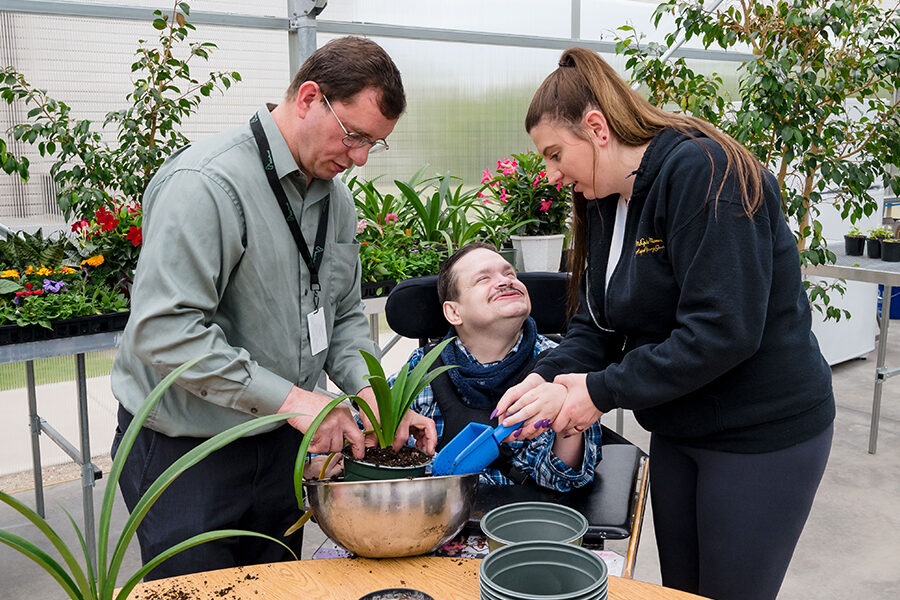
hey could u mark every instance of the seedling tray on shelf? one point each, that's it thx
(14, 334)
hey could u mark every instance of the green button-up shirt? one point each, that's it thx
(220, 273)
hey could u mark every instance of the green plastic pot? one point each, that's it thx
(543, 571)
(358, 470)
(533, 521)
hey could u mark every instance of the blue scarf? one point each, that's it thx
(481, 386)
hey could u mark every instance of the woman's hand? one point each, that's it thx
(540, 406)
(578, 412)
(510, 402)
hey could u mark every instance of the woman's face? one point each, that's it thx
(571, 159)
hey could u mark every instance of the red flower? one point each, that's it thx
(79, 225)
(107, 220)
(28, 286)
(134, 234)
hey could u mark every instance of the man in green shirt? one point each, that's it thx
(249, 256)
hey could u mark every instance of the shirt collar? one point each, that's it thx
(285, 165)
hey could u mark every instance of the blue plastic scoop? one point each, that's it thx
(473, 448)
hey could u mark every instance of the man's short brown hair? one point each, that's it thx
(345, 66)
(446, 282)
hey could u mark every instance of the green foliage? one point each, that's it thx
(854, 231)
(815, 105)
(880, 233)
(90, 173)
(82, 583)
(519, 187)
(22, 248)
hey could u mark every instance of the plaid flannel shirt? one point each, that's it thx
(535, 457)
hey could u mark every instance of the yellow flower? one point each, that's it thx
(44, 271)
(10, 274)
(94, 261)
(29, 270)
(66, 270)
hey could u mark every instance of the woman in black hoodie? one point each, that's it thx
(689, 309)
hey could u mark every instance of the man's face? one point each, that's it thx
(322, 153)
(487, 291)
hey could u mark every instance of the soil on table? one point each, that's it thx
(407, 456)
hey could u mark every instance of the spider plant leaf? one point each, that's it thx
(45, 528)
(419, 372)
(115, 472)
(202, 538)
(424, 382)
(304, 447)
(87, 558)
(373, 365)
(376, 426)
(44, 560)
(174, 471)
(303, 520)
(386, 422)
(399, 387)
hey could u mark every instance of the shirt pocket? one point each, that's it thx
(341, 261)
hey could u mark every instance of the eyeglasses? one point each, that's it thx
(357, 140)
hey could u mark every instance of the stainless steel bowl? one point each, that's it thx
(398, 517)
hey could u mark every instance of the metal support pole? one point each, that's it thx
(302, 32)
(34, 421)
(880, 370)
(576, 19)
(87, 469)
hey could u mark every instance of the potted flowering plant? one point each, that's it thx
(115, 233)
(538, 209)
(873, 243)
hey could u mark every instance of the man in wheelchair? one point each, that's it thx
(487, 308)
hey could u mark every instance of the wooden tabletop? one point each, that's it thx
(351, 578)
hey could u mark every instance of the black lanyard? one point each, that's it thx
(312, 261)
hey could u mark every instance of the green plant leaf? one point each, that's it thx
(44, 560)
(202, 538)
(304, 447)
(174, 471)
(8, 286)
(376, 429)
(115, 472)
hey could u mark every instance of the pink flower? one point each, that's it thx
(503, 195)
(79, 225)
(390, 218)
(361, 226)
(508, 166)
(480, 195)
(536, 182)
(485, 176)
(542, 174)
(545, 205)
(559, 185)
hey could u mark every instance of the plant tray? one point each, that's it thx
(14, 334)
(377, 289)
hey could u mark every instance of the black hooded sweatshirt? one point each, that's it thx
(704, 330)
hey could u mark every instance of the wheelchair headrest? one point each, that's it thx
(413, 310)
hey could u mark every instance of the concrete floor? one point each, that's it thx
(849, 549)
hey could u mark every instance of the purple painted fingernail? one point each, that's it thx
(539, 424)
(549, 423)
(494, 414)
(517, 432)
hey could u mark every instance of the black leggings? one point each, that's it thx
(727, 524)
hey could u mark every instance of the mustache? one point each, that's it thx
(504, 290)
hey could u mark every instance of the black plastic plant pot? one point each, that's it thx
(397, 594)
(890, 251)
(854, 246)
(533, 521)
(359, 470)
(873, 247)
(536, 570)
(376, 289)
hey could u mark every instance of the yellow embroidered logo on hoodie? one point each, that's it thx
(648, 246)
